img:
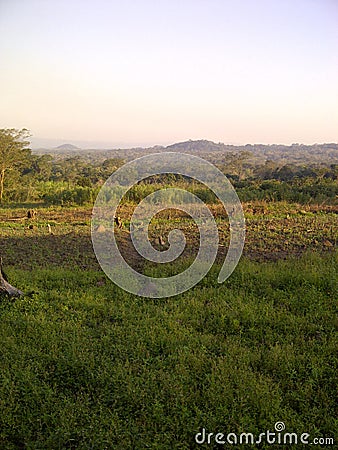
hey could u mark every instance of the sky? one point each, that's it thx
(151, 72)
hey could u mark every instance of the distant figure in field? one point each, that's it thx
(118, 221)
(161, 241)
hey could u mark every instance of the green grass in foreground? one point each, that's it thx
(85, 365)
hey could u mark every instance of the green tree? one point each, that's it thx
(237, 163)
(109, 166)
(41, 167)
(14, 152)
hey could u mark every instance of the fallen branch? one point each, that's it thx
(7, 289)
(15, 219)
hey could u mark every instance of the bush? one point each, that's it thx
(76, 196)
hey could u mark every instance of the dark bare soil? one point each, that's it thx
(273, 231)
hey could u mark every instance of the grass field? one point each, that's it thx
(85, 365)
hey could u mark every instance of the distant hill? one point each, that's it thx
(67, 147)
(201, 145)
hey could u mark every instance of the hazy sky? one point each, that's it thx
(148, 72)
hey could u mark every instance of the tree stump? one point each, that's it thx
(7, 289)
(31, 213)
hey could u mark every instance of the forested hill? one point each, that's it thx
(215, 152)
(288, 153)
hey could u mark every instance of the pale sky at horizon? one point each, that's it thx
(157, 72)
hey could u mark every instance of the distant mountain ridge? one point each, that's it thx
(214, 152)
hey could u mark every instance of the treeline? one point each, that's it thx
(72, 181)
(27, 177)
(66, 181)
